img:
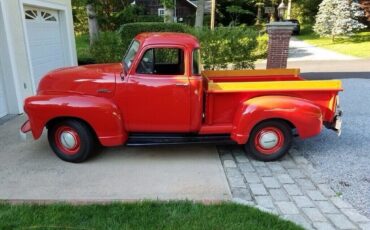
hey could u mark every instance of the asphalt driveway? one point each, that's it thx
(30, 171)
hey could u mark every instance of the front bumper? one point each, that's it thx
(25, 128)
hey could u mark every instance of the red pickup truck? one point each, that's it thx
(159, 95)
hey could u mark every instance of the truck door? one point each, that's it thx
(157, 95)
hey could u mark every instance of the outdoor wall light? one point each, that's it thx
(281, 10)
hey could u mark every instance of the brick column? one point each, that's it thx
(278, 44)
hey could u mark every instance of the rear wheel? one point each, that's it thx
(269, 140)
(71, 140)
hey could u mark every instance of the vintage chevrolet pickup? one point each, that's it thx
(159, 95)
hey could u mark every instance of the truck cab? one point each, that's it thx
(161, 90)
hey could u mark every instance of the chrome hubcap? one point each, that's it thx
(68, 140)
(268, 140)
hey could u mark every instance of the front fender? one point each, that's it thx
(100, 113)
(303, 114)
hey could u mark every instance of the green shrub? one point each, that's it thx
(107, 48)
(261, 50)
(130, 30)
(238, 46)
(228, 45)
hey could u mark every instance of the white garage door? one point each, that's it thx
(3, 106)
(44, 40)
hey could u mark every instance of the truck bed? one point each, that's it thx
(225, 90)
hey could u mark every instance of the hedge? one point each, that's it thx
(225, 47)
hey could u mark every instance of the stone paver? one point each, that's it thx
(306, 184)
(323, 226)
(303, 201)
(229, 164)
(341, 221)
(258, 189)
(265, 201)
(285, 179)
(241, 193)
(299, 219)
(252, 178)
(290, 188)
(263, 171)
(353, 215)
(293, 189)
(315, 195)
(365, 226)
(327, 207)
(287, 207)
(279, 194)
(326, 190)
(314, 214)
(270, 182)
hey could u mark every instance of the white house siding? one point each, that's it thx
(25, 53)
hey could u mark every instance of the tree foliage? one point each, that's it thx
(228, 11)
(305, 10)
(338, 18)
(111, 14)
(235, 12)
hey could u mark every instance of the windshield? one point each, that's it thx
(130, 54)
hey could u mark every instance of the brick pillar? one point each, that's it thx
(278, 44)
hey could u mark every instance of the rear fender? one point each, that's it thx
(103, 116)
(302, 114)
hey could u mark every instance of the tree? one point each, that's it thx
(93, 23)
(235, 12)
(305, 10)
(228, 10)
(338, 18)
(199, 14)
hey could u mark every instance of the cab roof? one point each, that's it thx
(168, 38)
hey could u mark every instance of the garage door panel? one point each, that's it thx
(48, 53)
(44, 40)
(3, 100)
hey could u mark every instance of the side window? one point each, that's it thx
(196, 62)
(162, 61)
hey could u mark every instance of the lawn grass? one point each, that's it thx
(141, 215)
(357, 45)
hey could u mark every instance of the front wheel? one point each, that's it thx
(269, 140)
(71, 140)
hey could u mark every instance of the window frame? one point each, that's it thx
(160, 10)
(145, 49)
(199, 62)
(126, 53)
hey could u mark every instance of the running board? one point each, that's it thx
(145, 139)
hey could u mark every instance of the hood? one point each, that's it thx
(96, 80)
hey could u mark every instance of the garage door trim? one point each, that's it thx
(64, 20)
(13, 95)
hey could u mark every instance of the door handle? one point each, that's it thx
(182, 84)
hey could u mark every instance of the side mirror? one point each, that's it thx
(122, 75)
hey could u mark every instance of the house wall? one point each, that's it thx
(18, 70)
